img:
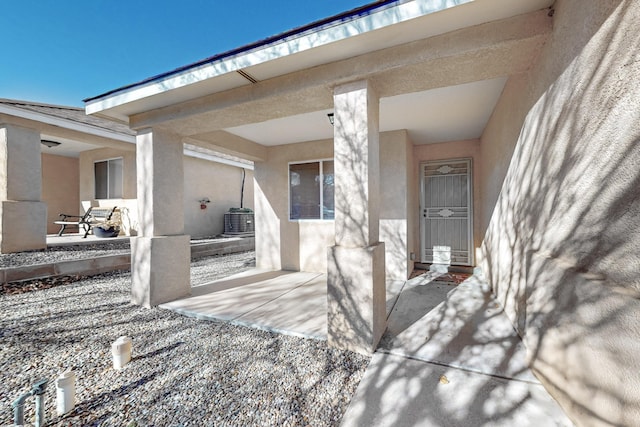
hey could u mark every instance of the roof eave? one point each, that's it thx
(372, 16)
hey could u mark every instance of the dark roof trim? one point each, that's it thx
(306, 29)
(67, 114)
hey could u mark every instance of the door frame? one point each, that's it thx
(422, 164)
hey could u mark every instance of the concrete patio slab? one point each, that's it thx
(398, 391)
(302, 311)
(287, 302)
(73, 239)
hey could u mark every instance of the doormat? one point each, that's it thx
(453, 279)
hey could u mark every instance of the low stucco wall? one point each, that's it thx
(60, 188)
(203, 179)
(561, 206)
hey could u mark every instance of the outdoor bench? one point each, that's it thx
(94, 216)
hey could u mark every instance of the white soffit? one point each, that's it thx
(451, 113)
(390, 26)
(67, 148)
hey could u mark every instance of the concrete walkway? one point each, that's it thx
(449, 357)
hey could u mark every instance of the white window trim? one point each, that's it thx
(302, 162)
(94, 178)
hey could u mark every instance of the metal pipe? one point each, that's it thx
(39, 410)
(18, 408)
(37, 390)
(244, 173)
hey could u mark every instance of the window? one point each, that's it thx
(311, 190)
(108, 179)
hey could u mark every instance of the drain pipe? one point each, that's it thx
(37, 390)
(244, 173)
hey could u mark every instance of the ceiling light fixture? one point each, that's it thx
(330, 115)
(49, 143)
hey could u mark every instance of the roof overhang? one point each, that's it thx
(374, 27)
(75, 137)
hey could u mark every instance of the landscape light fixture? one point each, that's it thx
(49, 143)
(330, 115)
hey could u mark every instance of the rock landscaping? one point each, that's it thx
(183, 372)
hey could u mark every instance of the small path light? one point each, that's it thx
(65, 392)
(121, 349)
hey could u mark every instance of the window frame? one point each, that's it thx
(320, 189)
(95, 195)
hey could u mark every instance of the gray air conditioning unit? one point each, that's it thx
(239, 221)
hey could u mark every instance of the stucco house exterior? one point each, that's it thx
(497, 134)
(56, 159)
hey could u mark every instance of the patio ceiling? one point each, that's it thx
(451, 113)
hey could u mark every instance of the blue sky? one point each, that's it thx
(62, 51)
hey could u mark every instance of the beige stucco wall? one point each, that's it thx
(395, 226)
(444, 151)
(302, 245)
(280, 243)
(60, 188)
(220, 183)
(561, 207)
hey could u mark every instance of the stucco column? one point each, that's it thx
(23, 217)
(160, 255)
(355, 267)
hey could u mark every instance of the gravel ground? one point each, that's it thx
(184, 371)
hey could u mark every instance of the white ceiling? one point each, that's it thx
(67, 147)
(452, 113)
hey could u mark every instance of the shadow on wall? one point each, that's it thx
(561, 250)
(351, 172)
(356, 309)
(394, 234)
(349, 312)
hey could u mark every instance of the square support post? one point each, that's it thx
(356, 265)
(160, 255)
(23, 216)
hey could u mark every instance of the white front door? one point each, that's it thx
(446, 207)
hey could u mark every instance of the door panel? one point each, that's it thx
(446, 212)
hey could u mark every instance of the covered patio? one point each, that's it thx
(269, 103)
(446, 344)
(536, 97)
